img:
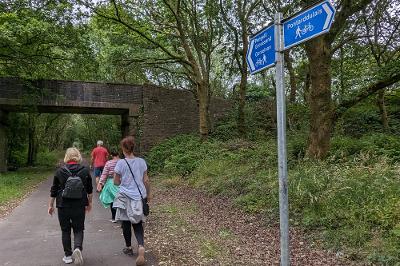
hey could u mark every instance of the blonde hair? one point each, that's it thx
(72, 154)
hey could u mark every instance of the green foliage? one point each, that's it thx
(87, 129)
(17, 157)
(13, 185)
(261, 120)
(350, 200)
(55, 132)
(41, 41)
(379, 144)
(48, 158)
(179, 155)
(359, 120)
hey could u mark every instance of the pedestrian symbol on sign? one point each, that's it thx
(298, 32)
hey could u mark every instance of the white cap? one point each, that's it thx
(100, 143)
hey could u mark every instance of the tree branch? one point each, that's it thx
(140, 33)
(348, 8)
(365, 93)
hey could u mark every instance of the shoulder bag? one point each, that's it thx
(146, 208)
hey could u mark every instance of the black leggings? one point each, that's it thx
(137, 228)
(113, 211)
(71, 218)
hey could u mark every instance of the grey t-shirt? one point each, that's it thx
(128, 186)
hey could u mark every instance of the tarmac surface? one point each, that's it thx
(31, 237)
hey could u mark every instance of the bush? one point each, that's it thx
(48, 158)
(17, 158)
(360, 119)
(179, 155)
(377, 143)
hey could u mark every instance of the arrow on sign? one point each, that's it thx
(249, 60)
(308, 24)
(329, 16)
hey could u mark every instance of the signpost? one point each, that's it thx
(265, 49)
(261, 52)
(281, 126)
(308, 24)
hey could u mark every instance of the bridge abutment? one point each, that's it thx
(3, 141)
(129, 127)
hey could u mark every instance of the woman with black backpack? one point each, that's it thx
(72, 190)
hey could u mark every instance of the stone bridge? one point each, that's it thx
(150, 113)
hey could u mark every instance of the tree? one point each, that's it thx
(237, 15)
(39, 40)
(382, 24)
(181, 37)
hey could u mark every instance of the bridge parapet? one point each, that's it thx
(149, 113)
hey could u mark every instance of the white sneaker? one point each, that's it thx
(67, 259)
(77, 257)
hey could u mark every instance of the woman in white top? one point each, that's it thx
(128, 202)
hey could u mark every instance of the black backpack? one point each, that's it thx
(74, 187)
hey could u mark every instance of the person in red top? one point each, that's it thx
(99, 159)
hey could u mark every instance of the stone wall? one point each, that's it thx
(167, 113)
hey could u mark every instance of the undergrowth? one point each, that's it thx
(350, 200)
(14, 185)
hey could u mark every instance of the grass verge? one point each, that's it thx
(14, 185)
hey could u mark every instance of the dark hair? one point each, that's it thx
(128, 144)
(114, 153)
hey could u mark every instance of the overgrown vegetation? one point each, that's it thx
(350, 200)
(41, 139)
(14, 185)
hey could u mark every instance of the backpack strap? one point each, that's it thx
(66, 168)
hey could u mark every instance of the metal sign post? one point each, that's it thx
(266, 49)
(281, 125)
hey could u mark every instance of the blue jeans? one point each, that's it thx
(98, 171)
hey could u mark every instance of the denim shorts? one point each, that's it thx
(98, 171)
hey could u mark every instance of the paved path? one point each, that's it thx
(29, 236)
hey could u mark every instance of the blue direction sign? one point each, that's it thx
(308, 24)
(261, 52)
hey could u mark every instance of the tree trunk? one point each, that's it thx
(242, 102)
(4, 151)
(32, 147)
(242, 89)
(321, 106)
(307, 84)
(292, 77)
(382, 109)
(204, 106)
